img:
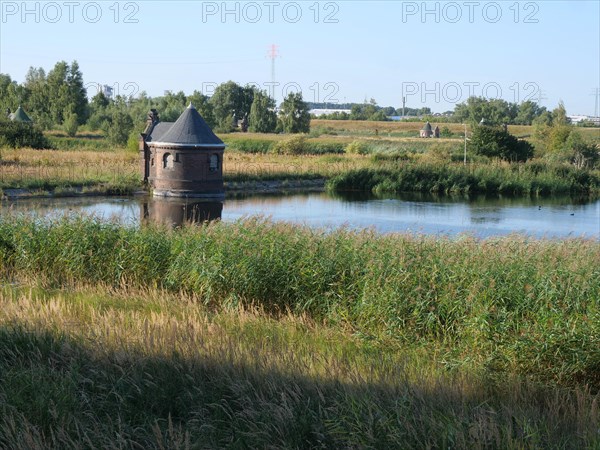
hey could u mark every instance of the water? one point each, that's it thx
(426, 214)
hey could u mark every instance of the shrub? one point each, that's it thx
(71, 124)
(295, 145)
(495, 142)
(19, 134)
(358, 148)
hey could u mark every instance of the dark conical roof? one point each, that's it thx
(427, 127)
(190, 130)
(20, 116)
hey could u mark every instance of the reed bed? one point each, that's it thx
(497, 306)
(264, 335)
(532, 178)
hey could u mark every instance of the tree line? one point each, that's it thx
(58, 99)
(492, 111)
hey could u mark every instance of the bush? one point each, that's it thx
(71, 124)
(495, 142)
(295, 145)
(120, 127)
(358, 148)
(19, 134)
(133, 141)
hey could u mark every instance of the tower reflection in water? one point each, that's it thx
(176, 212)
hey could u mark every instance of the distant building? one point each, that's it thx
(182, 159)
(107, 91)
(426, 131)
(20, 116)
(436, 132)
(321, 112)
(575, 119)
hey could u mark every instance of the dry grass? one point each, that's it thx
(127, 368)
(51, 169)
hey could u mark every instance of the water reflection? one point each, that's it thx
(175, 212)
(413, 213)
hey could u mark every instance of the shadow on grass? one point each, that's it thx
(60, 392)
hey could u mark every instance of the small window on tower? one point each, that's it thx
(213, 164)
(168, 161)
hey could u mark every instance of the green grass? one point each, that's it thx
(263, 335)
(511, 305)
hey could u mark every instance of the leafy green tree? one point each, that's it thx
(363, 112)
(528, 111)
(99, 102)
(65, 92)
(263, 118)
(229, 105)
(20, 134)
(11, 94)
(38, 103)
(493, 112)
(579, 152)
(559, 115)
(378, 116)
(71, 124)
(120, 127)
(77, 94)
(294, 116)
(495, 142)
(202, 103)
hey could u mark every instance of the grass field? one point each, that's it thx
(259, 335)
(89, 164)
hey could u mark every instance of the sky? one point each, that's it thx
(433, 54)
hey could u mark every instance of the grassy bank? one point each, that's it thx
(533, 178)
(512, 305)
(66, 171)
(128, 369)
(352, 161)
(266, 335)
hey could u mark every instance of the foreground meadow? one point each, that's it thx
(262, 335)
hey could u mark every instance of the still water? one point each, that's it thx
(426, 214)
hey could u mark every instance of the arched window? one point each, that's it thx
(213, 163)
(167, 161)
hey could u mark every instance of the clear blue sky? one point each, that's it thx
(435, 52)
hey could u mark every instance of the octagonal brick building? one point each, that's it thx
(182, 158)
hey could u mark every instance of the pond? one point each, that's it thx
(413, 213)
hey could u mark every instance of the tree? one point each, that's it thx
(71, 124)
(21, 134)
(294, 116)
(262, 114)
(493, 112)
(99, 102)
(38, 103)
(120, 127)
(77, 94)
(230, 103)
(528, 111)
(204, 107)
(559, 115)
(64, 92)
(495, 142)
